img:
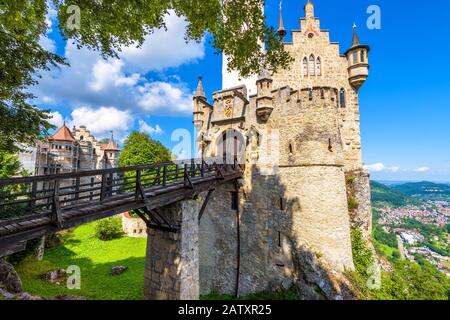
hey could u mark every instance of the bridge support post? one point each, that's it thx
(172, 262)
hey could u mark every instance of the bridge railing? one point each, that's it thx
(51, 194)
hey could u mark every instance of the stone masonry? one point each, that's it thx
(299, 137)
(172, 264)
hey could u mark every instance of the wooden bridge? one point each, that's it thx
(31, 207)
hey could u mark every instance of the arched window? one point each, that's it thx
(319, 66)
(81, 138)
(312, 67)
(363, 58)
(305, 66)
(342, 98)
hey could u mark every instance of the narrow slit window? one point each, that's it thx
(282, 204)
(363, 58)
(355, 57)
(234, 200)
(319, 67)
(342, 98)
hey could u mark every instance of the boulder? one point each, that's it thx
(55, 276)
(9, 279)
(116, 270)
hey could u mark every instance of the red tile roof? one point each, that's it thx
(63, 134)
(111, 146)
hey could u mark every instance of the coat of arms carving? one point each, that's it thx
(228, 109)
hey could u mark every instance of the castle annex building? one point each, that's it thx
(299, 138)
(76, 150)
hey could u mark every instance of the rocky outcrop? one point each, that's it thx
(9, 279)
(316, 279)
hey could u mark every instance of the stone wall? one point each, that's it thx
(133, 227)
(172, 261)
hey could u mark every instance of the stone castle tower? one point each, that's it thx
(299, 138)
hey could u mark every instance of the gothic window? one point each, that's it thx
(342, 98)
(305, 66)
(355, 57)
(319, 67)
(312, 67)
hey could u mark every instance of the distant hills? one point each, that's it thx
(383, 195)
(423, 188)
(401, 194)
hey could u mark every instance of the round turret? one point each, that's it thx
(358, 62)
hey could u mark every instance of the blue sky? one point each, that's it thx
(405, 104)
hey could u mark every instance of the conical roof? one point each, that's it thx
(281, 29)
(355, 40)
(63, 134)
(200, 92)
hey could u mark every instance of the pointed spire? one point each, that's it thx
(355, 40)
(200, 92)
(112, 145)
(281, 30)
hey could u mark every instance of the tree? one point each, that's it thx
(21, 25)
(10, 165)
(234, 27)
(139, 148)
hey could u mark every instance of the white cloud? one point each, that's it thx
(56, 119)
(379, 167)
(164, 98)
(47, 43)
(108, 74)
(103, 120)
(50, 18)
(94, 82)
(164, 48)
(47, 99)
(422, 169)
(146, 128)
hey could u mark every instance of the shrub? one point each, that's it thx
(362, 255)
(352, 203)
(108, 229)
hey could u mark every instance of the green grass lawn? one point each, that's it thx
(95, 259)
(385, 250)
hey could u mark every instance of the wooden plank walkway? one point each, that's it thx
(47, 204)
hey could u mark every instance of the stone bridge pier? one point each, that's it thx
(172, 262)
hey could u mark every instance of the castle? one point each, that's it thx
(70, 151)
(76, 150)
(304, 186)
